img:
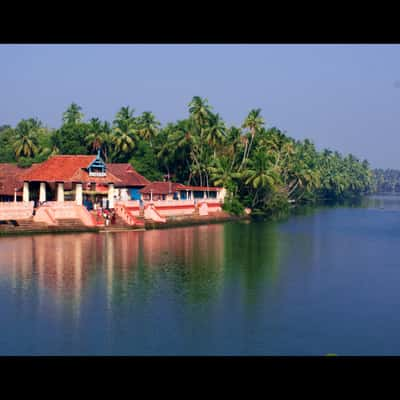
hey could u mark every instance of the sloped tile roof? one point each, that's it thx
(127, 174)
(66, 168)
(172, 187)
(162, 187)
(10, 178)
(203, 188)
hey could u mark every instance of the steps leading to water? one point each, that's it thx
(23, 225)
(70, 222)
(121, 225)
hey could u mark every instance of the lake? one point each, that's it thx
(325, 281)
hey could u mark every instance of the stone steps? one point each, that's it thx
(69, 222)
(23, 225)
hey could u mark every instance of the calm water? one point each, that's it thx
(326, 282)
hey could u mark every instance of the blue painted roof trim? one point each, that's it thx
(97, 162)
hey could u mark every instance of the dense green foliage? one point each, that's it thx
(262, 169)
(386, 180)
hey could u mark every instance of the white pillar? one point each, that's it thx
(78, 194)
(192, 195)
(151, 195)
(42, 192)
(60, 191)
(25, 193)
(187, 194)
(204, 195)
(110, 195)
(15, 195)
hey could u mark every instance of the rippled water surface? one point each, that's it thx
(323, 282)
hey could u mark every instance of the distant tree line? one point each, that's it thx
(262, 168)
(386, 180)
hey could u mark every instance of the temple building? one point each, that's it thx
(86, 179)
(74, 189)
(131, 181)
(156, 191)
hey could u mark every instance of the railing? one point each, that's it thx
(208, 201)
(127, 203)
(84, 215)
(122, 211)
(150, 212)
(175, 203)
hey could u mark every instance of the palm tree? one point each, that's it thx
(100, 137)
(73, 114)
(262, 177)
(260, 173)
(123, 141)
(253, 122)
(94, 138)
(148, 126)
(125, 115)
(215, 133)
(124, 131)
(222, 173)
(26, 141)
(200, 111)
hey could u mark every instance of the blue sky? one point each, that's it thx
(344, 97)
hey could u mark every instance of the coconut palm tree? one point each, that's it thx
(253, 122)
(148, 126)
(26, 141)
(215, 132)
(124, 131)
(125, 116)
(94, 139)
(73, 114)
(200, 111)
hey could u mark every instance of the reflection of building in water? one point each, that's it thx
(59, 265)
(59, 268)
(189, 246)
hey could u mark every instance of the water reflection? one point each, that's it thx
(117, 282)
(252, 254)
(127, 265)
(322, 281)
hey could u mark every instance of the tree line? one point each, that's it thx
(261, 168)
(386, 180)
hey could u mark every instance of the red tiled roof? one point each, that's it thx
(10, 178)
(165, 188)
(66, 168)
(161, 187)
(83, 176)
(203, 188)
(127, 174)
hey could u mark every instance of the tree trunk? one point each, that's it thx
(253, 133)
(244, 155)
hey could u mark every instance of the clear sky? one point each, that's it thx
(344, 97)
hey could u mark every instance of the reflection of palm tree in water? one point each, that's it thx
(252, 255)
(185, 261)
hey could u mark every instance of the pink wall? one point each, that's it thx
(17, 210)
(52, 211)
(133, 206)
(150, 212)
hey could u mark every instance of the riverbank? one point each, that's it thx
(48, 230)
(172, 222)
(192, 221)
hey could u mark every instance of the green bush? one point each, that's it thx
(233, 206)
